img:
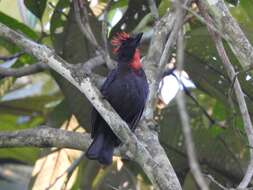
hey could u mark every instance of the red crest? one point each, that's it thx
(118, 39)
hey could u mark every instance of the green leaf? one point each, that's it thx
(36, 7)
(16, 25)
(215, 131)
(5, 85)
(164, 6)
(220, 111)
(119, 4)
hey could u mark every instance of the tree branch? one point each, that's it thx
(7, 58)
(82, 19)
(69, 171)
(191, 153)
(92, 63)
(83, 23)
(239, 95)
(153, 9)
(26, 70)
(180, 99)
(238, 42)
(45, 137)
(164, 38)
(135, 149)
(147, 133)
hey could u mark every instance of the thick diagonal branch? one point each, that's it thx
(162, 42)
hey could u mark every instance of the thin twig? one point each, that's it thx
(243, 108)
(230, 90)
(68, 171)
(159, 51)
(57, 10)
(211, 178)
(82, 19)
(223, 20)
(186, 128)
(195, 169)
(170, 42)
(83, 25)
(188, 93)
(27, 70)
(239, 96)
(91, 64)
(202, 20)
(176, 24)
(7, 58)
(90, 171)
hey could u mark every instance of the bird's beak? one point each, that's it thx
(137, 38)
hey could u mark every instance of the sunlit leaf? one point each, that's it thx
(16, 25)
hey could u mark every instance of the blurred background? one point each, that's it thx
(46, 98)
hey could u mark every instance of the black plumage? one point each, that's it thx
(126, 89)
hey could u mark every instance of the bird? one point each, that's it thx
(126, 89)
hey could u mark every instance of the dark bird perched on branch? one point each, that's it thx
(126, 89)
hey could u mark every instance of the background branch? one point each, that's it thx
(224, 21)
(153, 9)
(164, 38)
(45, 137)
(83, 24)
(186, 128)
(7, 58)
(26, 70)
(239, 95)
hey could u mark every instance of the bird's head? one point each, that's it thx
(126, 49)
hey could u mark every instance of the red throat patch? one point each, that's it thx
(136, 61)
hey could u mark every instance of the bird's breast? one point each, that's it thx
(126, 95)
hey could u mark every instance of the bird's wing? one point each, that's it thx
(136, 120)
(137, 117)
(109, 79)
(95, 116)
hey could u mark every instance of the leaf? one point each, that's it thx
(5, 85)
(98, 8)
(29, 105)
(36, 7)
(164, 6)
(214, 152)
(49, 170)
(38, 95)
(119, 4)
(16, 25)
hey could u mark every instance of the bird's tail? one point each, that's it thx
(101, 149)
